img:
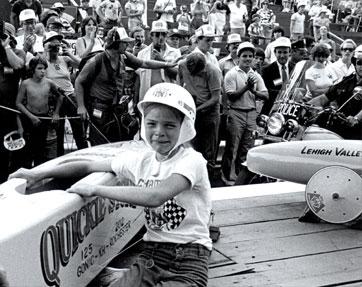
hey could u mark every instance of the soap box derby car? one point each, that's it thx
(49, 237)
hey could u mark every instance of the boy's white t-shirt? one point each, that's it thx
(184, 218)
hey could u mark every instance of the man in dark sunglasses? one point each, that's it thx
(347, 92)
(343, 67)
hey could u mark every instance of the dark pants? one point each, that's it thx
(68, 109)
(207, 132)
(35, 150)
(169, 265)
(240, 127)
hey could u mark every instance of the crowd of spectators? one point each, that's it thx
(97, 84)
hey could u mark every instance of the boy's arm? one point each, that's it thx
(141, 196)
(19, 101)
(66, 170)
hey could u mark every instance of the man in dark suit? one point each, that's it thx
(277, 73)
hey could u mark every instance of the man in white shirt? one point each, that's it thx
(158, 50)
(343, 67)
(29, 42)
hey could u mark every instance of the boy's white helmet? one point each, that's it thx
(174, 96)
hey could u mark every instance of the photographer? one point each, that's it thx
(12, 63)
(139, 44)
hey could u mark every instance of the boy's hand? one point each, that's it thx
(82, 189)
(29, 175)
(35, 121)
(55, 118)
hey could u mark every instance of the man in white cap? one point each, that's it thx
(204, 38)
(158, 50)
(230, 61)
(21, 5)
(243, 87)
(99, 85)
(278, 72)
(29, 42)
(297, 22)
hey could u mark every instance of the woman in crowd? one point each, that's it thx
(318, 77)
(89, 42)
(323, 32)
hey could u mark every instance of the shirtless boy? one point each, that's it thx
(34, 100)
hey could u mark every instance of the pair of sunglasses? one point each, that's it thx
(348, 49)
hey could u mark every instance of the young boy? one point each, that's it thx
(171, 183)
(34, 100)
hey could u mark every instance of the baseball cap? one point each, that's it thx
(27, 14)
(52, 35)
(117, 34)
(245, 46)
(159, 26)
(233, 38)
(301, 3)
(55, 21)
(282, 42)
(57, 5)
(174, 32)
(205, 31)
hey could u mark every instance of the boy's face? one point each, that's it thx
(258, 62)
(174, 41)
(39, 72)
(246, 59)
(162, 129)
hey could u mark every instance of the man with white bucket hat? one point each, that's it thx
(278, 72)
(158, 50)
